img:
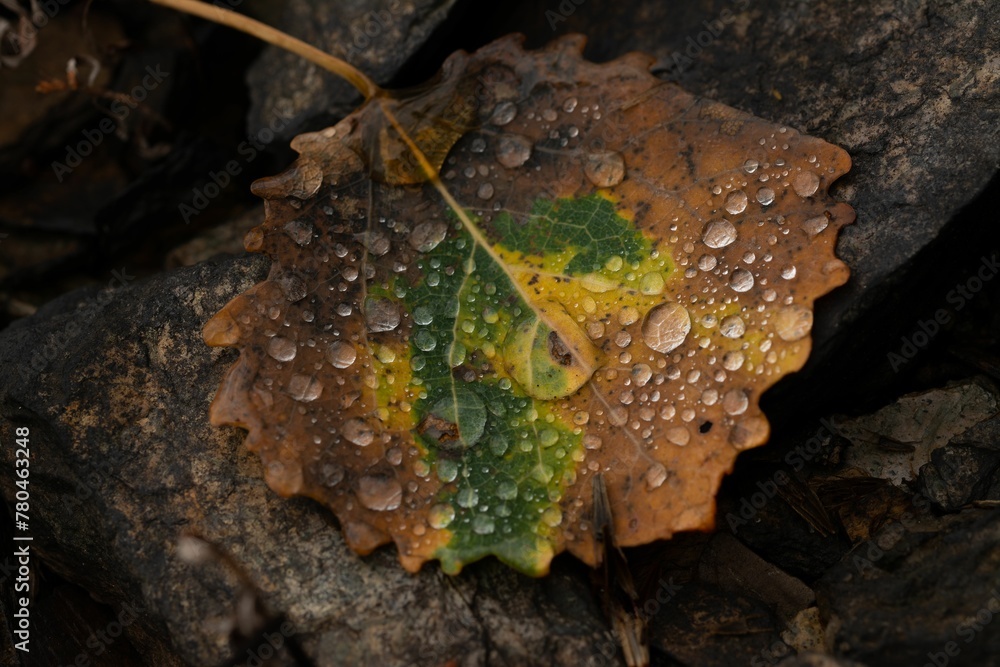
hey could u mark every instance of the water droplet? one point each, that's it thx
(300, 231)
(513, 150)
(581, 417)
(805, 184)
(733, 360)
(357, 431)
(478, 145)
(304, 388)
(483, 524)
(504, 113)
(652, 283)
(628, 315)
(788, 272)
(793, 323)
(623, 338)
(385, 354)
(422, 315)
(498, 445)
(816, 225)
(735, 402)
(655, 476)
(707, 262)
(441, 515)
(485, 191)
(379, 492)
(741, 280)
(331, 474)
(381, 314)
(293, 287)
(281, 348)
(548, 437)
(447, 470)
(679, 435)
(750, 166)
(569, 105)
(467, 497)
(595, 330)
(718, 234)
(552, 516)
(394, 456)
(765, 196)
(341, 354)
(427, 235)
(591, 441)
(641, 374)
(666, 326)
(605, 168)
(736, 202)
(732, 326)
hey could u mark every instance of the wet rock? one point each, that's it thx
(729, 564)
(376, 37)
(910, 592)
(704, 626)
(958, 474)
(125, 459)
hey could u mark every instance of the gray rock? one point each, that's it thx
(377, 37)
(124, 460)
(958, 474)
(903, 596)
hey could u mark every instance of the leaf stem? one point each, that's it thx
(271, 35)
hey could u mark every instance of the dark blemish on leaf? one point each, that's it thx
(558, 350)
(437, 429)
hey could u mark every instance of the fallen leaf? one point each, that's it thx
(625, 270)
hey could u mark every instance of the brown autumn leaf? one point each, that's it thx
(604, 280)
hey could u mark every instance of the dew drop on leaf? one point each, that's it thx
(666, 326)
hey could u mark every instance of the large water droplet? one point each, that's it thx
(793, 323)
(736, 202)
(467, 497)
(679, 435)
(765, 196)
(504, 113)
(379, 492)
(732, 326)
(304, 388)
(281, 348)
(427, 235)
(300, 231)
(666, 326)
(815, 225)
(341, 354)
(441, 516)
(718, 234)
(741, 280)
(733, 360)
(381, 314)
(655, 476)
(422, 315)
(805, 184)
(483, 524)
(735, 402)
(605, 168)
(485, 191)
(652, 283)
(513, 150)
(357, 431)
(707, 262)
(507, 489)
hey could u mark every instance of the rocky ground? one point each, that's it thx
(866, 532)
